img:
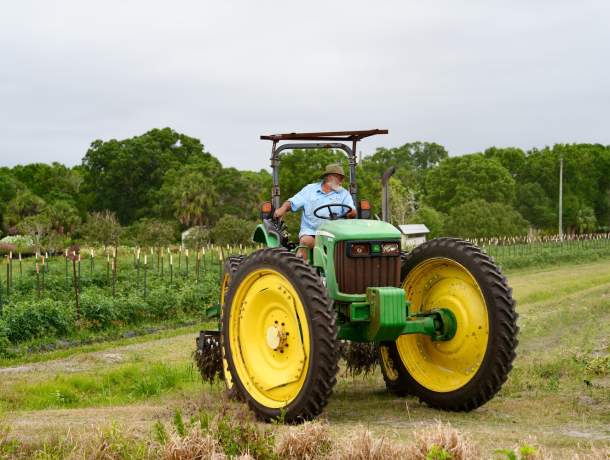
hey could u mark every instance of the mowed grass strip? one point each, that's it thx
(121, 385)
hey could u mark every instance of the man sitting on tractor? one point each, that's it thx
(327, 192)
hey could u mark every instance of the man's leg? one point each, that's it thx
(305, 240)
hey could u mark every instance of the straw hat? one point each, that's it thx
(334, 168)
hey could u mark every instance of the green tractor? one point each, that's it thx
(441, 318)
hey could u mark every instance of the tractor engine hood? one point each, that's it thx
(358, 229)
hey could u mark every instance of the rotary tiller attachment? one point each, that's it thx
(208, 356)
(361, 358)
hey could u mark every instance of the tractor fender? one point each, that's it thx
(261, 235)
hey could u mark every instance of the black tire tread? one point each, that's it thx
(502, 343)
(324, 356)
(230, 266)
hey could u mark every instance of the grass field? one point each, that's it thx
(556, 399)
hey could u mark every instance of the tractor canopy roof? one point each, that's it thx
(325, 136)
(319, 140)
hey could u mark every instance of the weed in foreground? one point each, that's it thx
(309, 441)
(441, 442)
(362, 445)
(230, 434)
(195, 445)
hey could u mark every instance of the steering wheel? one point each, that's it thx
(331, 215)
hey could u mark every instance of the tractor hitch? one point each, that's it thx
(440, 324)
(385, 316)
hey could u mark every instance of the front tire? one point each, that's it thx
(280, 336)
(466, 371)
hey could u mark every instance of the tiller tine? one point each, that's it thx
(208, 356)
(361, 358)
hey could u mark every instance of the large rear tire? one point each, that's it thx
(279, 336)
(466, 371)
(229, 268)
(208, 352)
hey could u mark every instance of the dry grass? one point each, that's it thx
(363, 445)
(194, 446)
(441, 439)
(309, 441)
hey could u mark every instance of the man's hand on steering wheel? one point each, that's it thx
(331, 215)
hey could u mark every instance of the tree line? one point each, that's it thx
(151, 187)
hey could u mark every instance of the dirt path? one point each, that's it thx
(167, 350)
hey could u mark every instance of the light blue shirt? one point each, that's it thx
(311, 197)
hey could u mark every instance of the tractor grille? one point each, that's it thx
(355, 274)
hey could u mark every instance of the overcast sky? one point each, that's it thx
(466, 74)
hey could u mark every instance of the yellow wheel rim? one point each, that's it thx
(449, 365)
(224, 287)
(269, 338)
(388, 364)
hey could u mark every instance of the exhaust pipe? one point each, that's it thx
(385, 198)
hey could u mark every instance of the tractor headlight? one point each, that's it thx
(360, 249)
(390, 249)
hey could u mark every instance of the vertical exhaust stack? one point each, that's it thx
(385, 196)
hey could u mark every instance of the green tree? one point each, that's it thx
(196, 237)
(412, 162)
(458, 180)
(24, 204)
(535, 206)
(585, 220)
(402, 202)
(154, 233)
(513, 159)
(431, 218)
(586, 179)
(126, 176)
(240, 193)
(190, 195)
(102, 228)
(38, 228)
(9, 188)
(50, 182)
(63, 216)
(232, 230)
(479, 218)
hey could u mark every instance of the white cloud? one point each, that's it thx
(465, 74)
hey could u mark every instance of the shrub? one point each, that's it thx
(97, 308)
(195, 297)
(6, 248)
(433, 219)
(232, 230)
(196, 237)
(152, 232)
(20, 241)
(162, 302)
(132, 308)
(478, 218)
(32, 319)
(4, 341)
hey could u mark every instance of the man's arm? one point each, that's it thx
(293, 204)
(283, 209)
(350, 202)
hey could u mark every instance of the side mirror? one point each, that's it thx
(266, 210)
(364, 208)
